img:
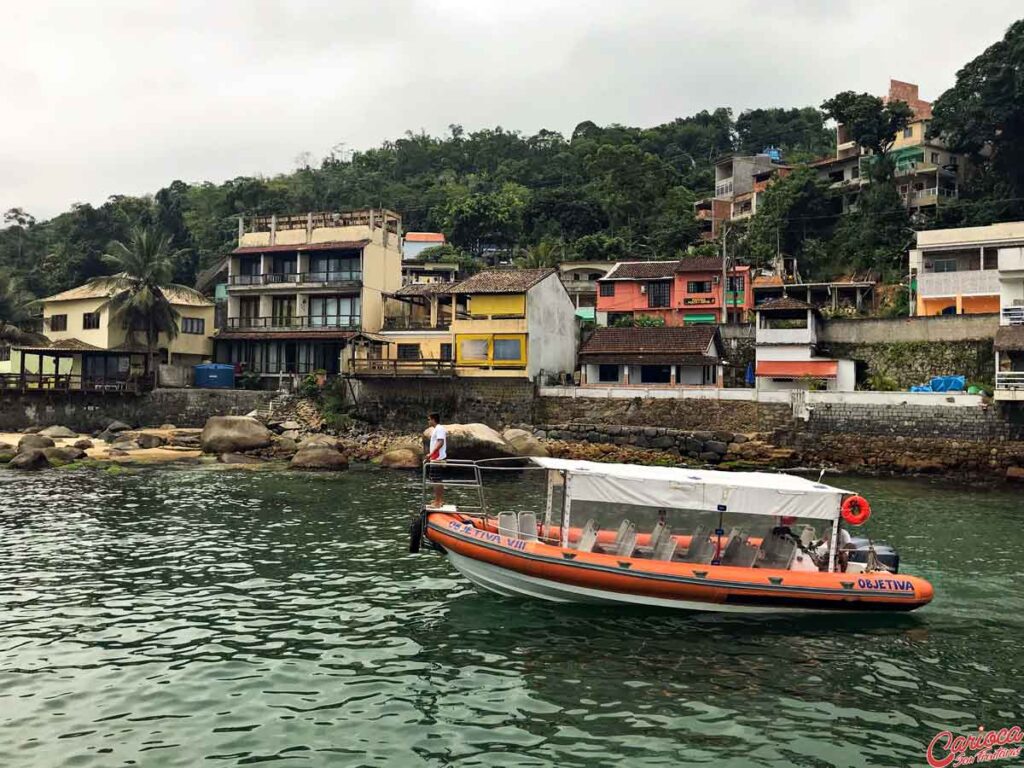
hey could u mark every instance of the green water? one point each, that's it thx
(191, 617)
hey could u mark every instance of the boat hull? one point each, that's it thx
(512, 567)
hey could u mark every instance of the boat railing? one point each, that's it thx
(461, 474)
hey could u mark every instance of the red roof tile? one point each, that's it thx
(502, 281)
(688, 340)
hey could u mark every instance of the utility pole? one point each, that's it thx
(725, 278)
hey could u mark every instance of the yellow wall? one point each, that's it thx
(67, 365)
(430, 343)
(497, 304)
(382, 273)
(966, 305)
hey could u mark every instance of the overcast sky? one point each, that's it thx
(102, 98)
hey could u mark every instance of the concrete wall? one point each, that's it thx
(552, 328)
(88, 412)
(910, 329)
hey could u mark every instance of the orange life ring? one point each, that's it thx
(856, 510)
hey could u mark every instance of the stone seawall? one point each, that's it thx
(86, 412)
(984, 424)
(402, 403)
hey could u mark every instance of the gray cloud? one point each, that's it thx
(124, 97)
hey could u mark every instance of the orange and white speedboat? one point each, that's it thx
(673, 538)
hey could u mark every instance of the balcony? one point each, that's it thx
(580, 286)
(800, 336)
(1013, 316)
(346, 277)
(281, 323)
(406, 324)
(927, 196)
(974, 282)
(398, 368)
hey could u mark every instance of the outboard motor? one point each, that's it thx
(885, 554)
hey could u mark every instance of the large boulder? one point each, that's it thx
(284, 446)
(146, 440)
(117, 426)
(321, 441)
(31, 459)
(238, 458)
(34, 443)
(84, 444)
(401, 458)
(475, 441)
(57, 431)
(233, 434)
(64, 455)
(318, 457)
(524, 442)
(7, 452)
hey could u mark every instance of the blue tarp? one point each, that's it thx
(942, 384)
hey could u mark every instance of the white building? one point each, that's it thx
(786, 346)
(1009, 344)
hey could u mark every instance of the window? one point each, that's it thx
(90, 321)
(659, 294)
(446, 351)
(607, 289)
(408, 351)
(735, 284)
(334, 311)
(935, 158)
(908, 132)
(944, 265)
(5, 354)
(508, 350)
(698, 286)
(596, 276)
(655, 374)
(282, 310)
(474, 350)
(193, 325)
(855, 172)
(324, 268)
(58, 322)
(608, 374)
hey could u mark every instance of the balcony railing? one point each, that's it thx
(929, 193)
(297, 278)
(1010, 380)
(973, 282)
(417, 367)
(405, 324)
(1013, 315)
(66, 382)
(283, 323)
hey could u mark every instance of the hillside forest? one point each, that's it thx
(602, 193)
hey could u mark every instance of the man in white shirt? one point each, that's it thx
(437, 455)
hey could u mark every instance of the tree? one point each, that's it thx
(800, 133)
(139, 289)
(15, 311)
(982, 116)
(870, 122)
(479, 220)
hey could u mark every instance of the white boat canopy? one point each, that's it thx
(752, 493)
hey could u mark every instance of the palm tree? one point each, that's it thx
(139, 289)
(545, 254)
(15, 310)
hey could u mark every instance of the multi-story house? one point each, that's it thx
(680, 292)
(501, 322)
(1009, 343)
(956, 271)
(580, 280)
(740, 182)
(786, 350)
(302, 289)
(926, 171)
(90, 349)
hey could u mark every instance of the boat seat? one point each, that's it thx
(777, 552)
(701, 549)
(626, 544)
(659, 530)
(588, 538)
(740, 552)
(527, 526)
(508, 524)
(666, 548)
(614, 546)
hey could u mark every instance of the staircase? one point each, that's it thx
(276, 403)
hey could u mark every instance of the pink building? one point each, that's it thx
(681, 292)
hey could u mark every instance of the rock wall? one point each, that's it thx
(86, 412)
(734, 416)
(403, 403)
(901, 364)
(986, 424)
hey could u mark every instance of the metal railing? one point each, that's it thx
(73, 382)
(278, 322)
(406, 324)
(1010, 380)
(1013, 315)
(395, 367)
(339, 277)
(456, 474)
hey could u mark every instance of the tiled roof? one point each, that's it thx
(502, 281)
(425, 289)
(98, 291)
(424, 237)
(61, 345)
(783, 303)
(662, 270)
(1010, 338)
(687, 340)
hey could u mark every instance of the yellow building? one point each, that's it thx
(499, 323)
(304, 291)
(89, 348)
